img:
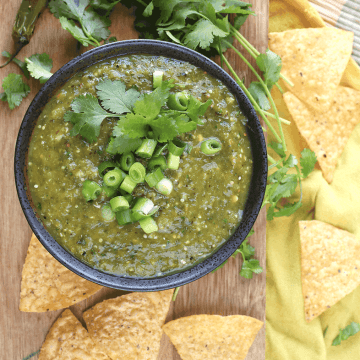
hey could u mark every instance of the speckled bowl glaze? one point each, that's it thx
(257, 187)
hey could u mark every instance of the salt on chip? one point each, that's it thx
(314, 60)
(207, 337)
(330, 265)
(47, 285)
(129, 326)
(327, 133)
(67, 339)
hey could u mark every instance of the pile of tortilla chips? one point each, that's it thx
(127, 327)
(325, 113)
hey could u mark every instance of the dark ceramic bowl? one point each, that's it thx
(257, 187)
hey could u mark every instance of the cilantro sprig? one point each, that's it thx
(140, 115)
(345, 333)
(250, 265)
(15, 90)
(88, 22)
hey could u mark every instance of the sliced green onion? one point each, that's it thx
(119, 203)
(157, 161)
(210, 146)
(160, 150)
(104, 166)
(91, 190)
(147, 148)
(107, 213)
(164, 186)
(173, 161)
(176, 147)
(113, 178)
(144, 205)
(124, 217)
(128, 185)
(148, 225)
(129, 198)
(154, 177)
(157, 78)
(178, 101)
(137, 172)
(126, 160)
(109, 191)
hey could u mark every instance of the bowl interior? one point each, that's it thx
(257, 186)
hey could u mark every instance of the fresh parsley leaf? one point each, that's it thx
(75, 31)
(259, 95)
(14, 90)
(39, 66)
(19, 63)
(114, 97)
(345, 333)
(307, 161)
(87, 116)
(270, 64)
(122, 144)
(202, 34)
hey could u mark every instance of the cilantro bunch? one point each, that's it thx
(140, 115)
(88, 21)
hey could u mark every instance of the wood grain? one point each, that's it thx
(223, 292)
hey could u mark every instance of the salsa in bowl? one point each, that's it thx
(141, 165)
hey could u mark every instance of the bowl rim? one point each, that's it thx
(127, 283)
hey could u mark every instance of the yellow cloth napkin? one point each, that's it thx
(288, 336)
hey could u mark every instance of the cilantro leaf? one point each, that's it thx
(345, 333)
(76, 9)
(202, 34)
(105, 5)
(258, 93)
(250, 267)
(75, 31)
(14, 90)
(167, 7)
(95, 25)
(278, 148)
(19, 63)
(114, 97)
(122, 144)
(87, 116)
(239, 20)
(230, 6)
(39, 66)
(149, 105)
(307, 161)
(270, 64)
(196, 108)
(149, 9)
(60, 8)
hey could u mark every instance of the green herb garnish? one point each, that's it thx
(14, 90)
(39, 66)
(344, 334)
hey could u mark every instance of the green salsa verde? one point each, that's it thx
(200, 214)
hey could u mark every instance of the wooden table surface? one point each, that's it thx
(223, 293)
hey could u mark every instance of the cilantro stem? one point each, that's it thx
(265, 89)
(256, 106)
(274, 162)
(251, 50)
(142, 3)
(176, 293)
(284, 121)
(95, 42)
(279, 87)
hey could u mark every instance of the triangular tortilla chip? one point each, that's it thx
(129, 327)
(327, 133)
(330, 265)
(47, 285)
(314, 60)
(201, 337)
(67, 339)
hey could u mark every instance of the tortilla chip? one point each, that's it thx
(47, 285)
(327, 133)
(314, 60)
(201, 337)
(129, 326)
(330, 265)
(67, 339)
